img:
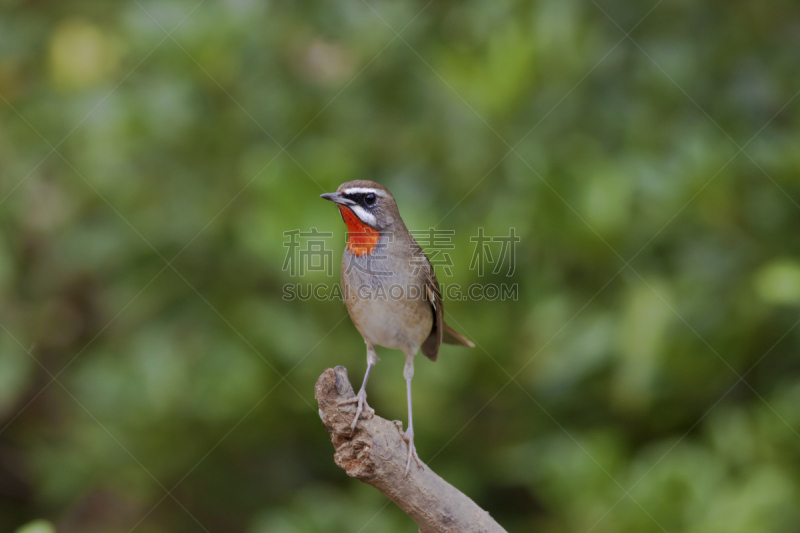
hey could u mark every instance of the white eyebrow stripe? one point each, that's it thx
(365, 216)
(364, 190)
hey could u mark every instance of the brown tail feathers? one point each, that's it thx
(451, 336)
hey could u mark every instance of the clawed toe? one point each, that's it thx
(408, 436)
(362, 407)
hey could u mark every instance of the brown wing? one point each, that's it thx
(430, 348)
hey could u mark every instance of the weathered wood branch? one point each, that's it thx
(376, 454)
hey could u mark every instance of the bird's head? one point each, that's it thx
(371, 203)
(368, 210)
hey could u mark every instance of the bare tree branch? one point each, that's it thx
(376, 454)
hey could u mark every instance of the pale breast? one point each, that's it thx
(386, 303)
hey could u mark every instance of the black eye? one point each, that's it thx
(369, 199)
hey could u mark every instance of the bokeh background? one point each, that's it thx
(154, 153)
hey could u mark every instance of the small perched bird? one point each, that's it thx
(389, 288)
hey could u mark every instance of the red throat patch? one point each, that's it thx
(361, 239)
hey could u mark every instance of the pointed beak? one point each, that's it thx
(337, 198)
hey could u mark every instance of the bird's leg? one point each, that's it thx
(361, 397)
(408, 435)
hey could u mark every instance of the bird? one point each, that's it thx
(390, 290)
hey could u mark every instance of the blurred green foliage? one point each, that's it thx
(144, 196)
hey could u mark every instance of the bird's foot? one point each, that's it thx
(361, 400)
(408, 436)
